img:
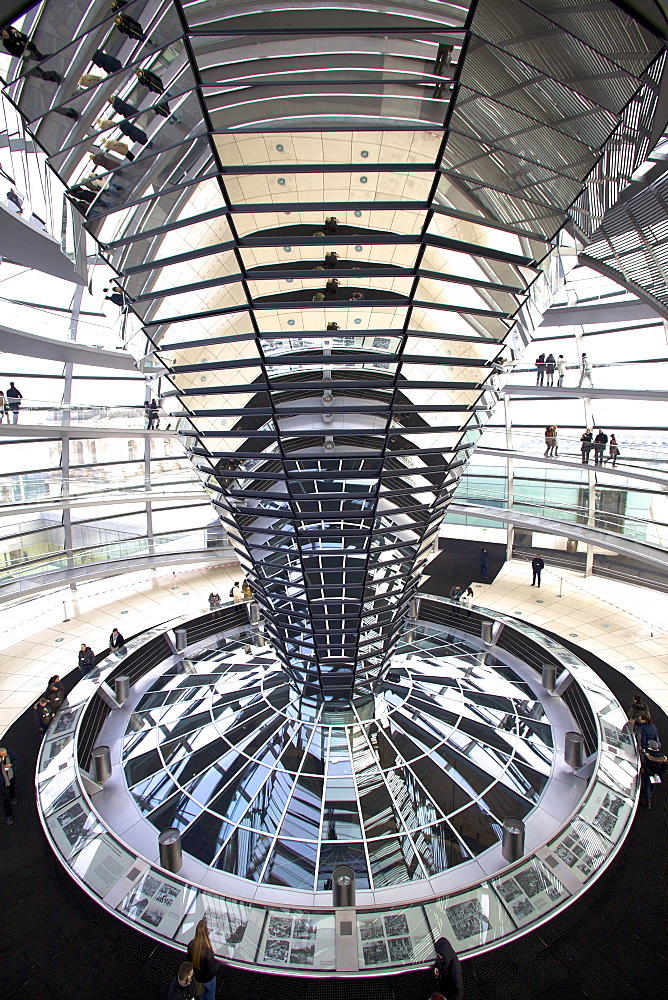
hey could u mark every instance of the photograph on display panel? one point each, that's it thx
(298, 939)
(531, 891)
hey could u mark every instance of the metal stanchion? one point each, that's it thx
(122, 688)
(101, 758)
(180, 639)
(574, 750)
(512, 846)
(549, 676)
(343, 887)
(171, 857)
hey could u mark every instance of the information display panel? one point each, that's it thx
(395, 937)
(529, 892)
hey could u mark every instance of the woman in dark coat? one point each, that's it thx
(448, 969)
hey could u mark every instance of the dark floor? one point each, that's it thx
(57, 943)
(458, 562)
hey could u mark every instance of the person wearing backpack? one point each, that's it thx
(540, 369)
(448, 970)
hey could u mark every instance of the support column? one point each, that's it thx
(510, 530)
(65, 440)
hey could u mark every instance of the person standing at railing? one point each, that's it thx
(550, 368)
(586, 445)
(600, 442)
(153, 415)
(116, 640)
(86, 659)
(614, 450)
(4, 409)
(561, 370)
(14, 398)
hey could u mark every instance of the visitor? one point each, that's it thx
(537, 566)
(646, 731)
(116, 640)
(484, 563)
(550, 441)
(636, 709)
(467, 600)
(205, 967)
(331, 288)
(117, 296)
(14, 398)
(14, 199)
(247, 590)
(86, 659)
(331, 258)
(87, 80)
(128, 26)
(455, 592)
(154, 415)
(586, 445)
(550, 368)
(214, 601)
(4, 409)
(331, 225)
(43, 714)
(561, 370)
(600, 442)
(110, 64)
(150, 80)
(8, 761)
(55, 693)
(237, 593)
(448, 970)
(122, 107)
(182, 986)
(585, 371)
(653, 765)
(540, 369)
(116, 146)
(102, 159)
(17, 44)
(614, 450)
